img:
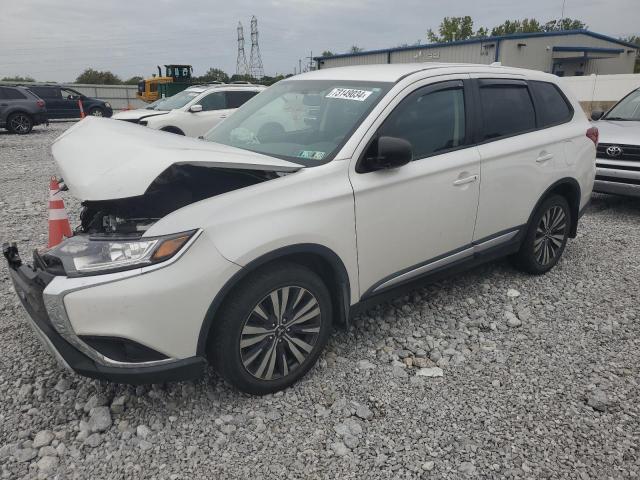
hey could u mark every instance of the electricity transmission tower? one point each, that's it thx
(255, 69)
(241, 64)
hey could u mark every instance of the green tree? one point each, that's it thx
(133, 80)
(452, 29)
(92, 76)
(509, 27)
(213, 75)
(355, 49)
(327, 53)
(18, 79)
(564, 24)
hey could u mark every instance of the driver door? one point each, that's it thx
(214, 110)
(421, 216)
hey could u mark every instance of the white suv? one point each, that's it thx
(319, 195)
(194, 111)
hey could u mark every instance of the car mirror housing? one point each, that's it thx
(392, 152)
(597, 114)
(195, 108)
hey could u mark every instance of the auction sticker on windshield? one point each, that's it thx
(349, 94)
(311, 154)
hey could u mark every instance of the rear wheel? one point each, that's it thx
(271, 329)
(19, 123)
(546, 237)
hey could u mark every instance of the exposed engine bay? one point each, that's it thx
(178, 186)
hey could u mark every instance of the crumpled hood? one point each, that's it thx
(138, 114)
(621, 132)
(104, 159)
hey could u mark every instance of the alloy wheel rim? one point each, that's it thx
(550, 235)
(280, 333)
(97, 112)
(20, 123)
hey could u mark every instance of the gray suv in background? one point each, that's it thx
(618, 158)
(20, 110)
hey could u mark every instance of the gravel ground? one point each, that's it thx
(493, 374)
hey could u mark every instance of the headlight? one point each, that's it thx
(107, 104)
(85, 255)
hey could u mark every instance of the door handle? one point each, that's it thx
(544, 157)
(464, 181)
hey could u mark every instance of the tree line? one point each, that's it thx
(97, 77)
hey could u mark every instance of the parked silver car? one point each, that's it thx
(618, 158)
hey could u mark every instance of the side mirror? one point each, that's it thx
(391, 152)
(597, 114)
(195, 108)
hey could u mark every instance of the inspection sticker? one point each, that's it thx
(311, 155)
(349, 94)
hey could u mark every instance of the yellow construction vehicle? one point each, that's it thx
(177, 75)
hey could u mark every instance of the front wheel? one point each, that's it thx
(546, 237)
(271, 329)
(96, 112)
(19, 123)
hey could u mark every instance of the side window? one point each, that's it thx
(2, 94)
(431, 120)
(46, 92)
(507, 109)
(14, 94)
(551, 105)
(237, 99)
(213, 101)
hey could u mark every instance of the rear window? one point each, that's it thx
(551, 105)
(507, 109)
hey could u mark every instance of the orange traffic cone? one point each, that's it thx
(81, 109)
(59, 227)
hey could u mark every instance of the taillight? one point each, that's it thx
(593, 135)
(40, 103)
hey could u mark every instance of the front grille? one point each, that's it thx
(627, 181)
(628, 152)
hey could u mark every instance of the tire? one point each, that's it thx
(247, 332)
(20, 123)
(97, 112)
(546, 237)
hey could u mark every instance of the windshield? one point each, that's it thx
(152, 106)
(627, 109)
(304, 121)
(179, 100)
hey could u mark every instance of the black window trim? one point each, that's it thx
(478, 83)
(469, 114)
(537, 101)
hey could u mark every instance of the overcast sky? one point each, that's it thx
(55, 40)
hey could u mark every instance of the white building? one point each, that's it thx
(565, 53)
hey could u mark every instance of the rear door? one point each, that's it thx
(519, 161)
(52, 98)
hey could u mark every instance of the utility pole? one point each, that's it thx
(310, 57)
(300, 65)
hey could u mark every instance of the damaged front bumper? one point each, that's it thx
(48, 318)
